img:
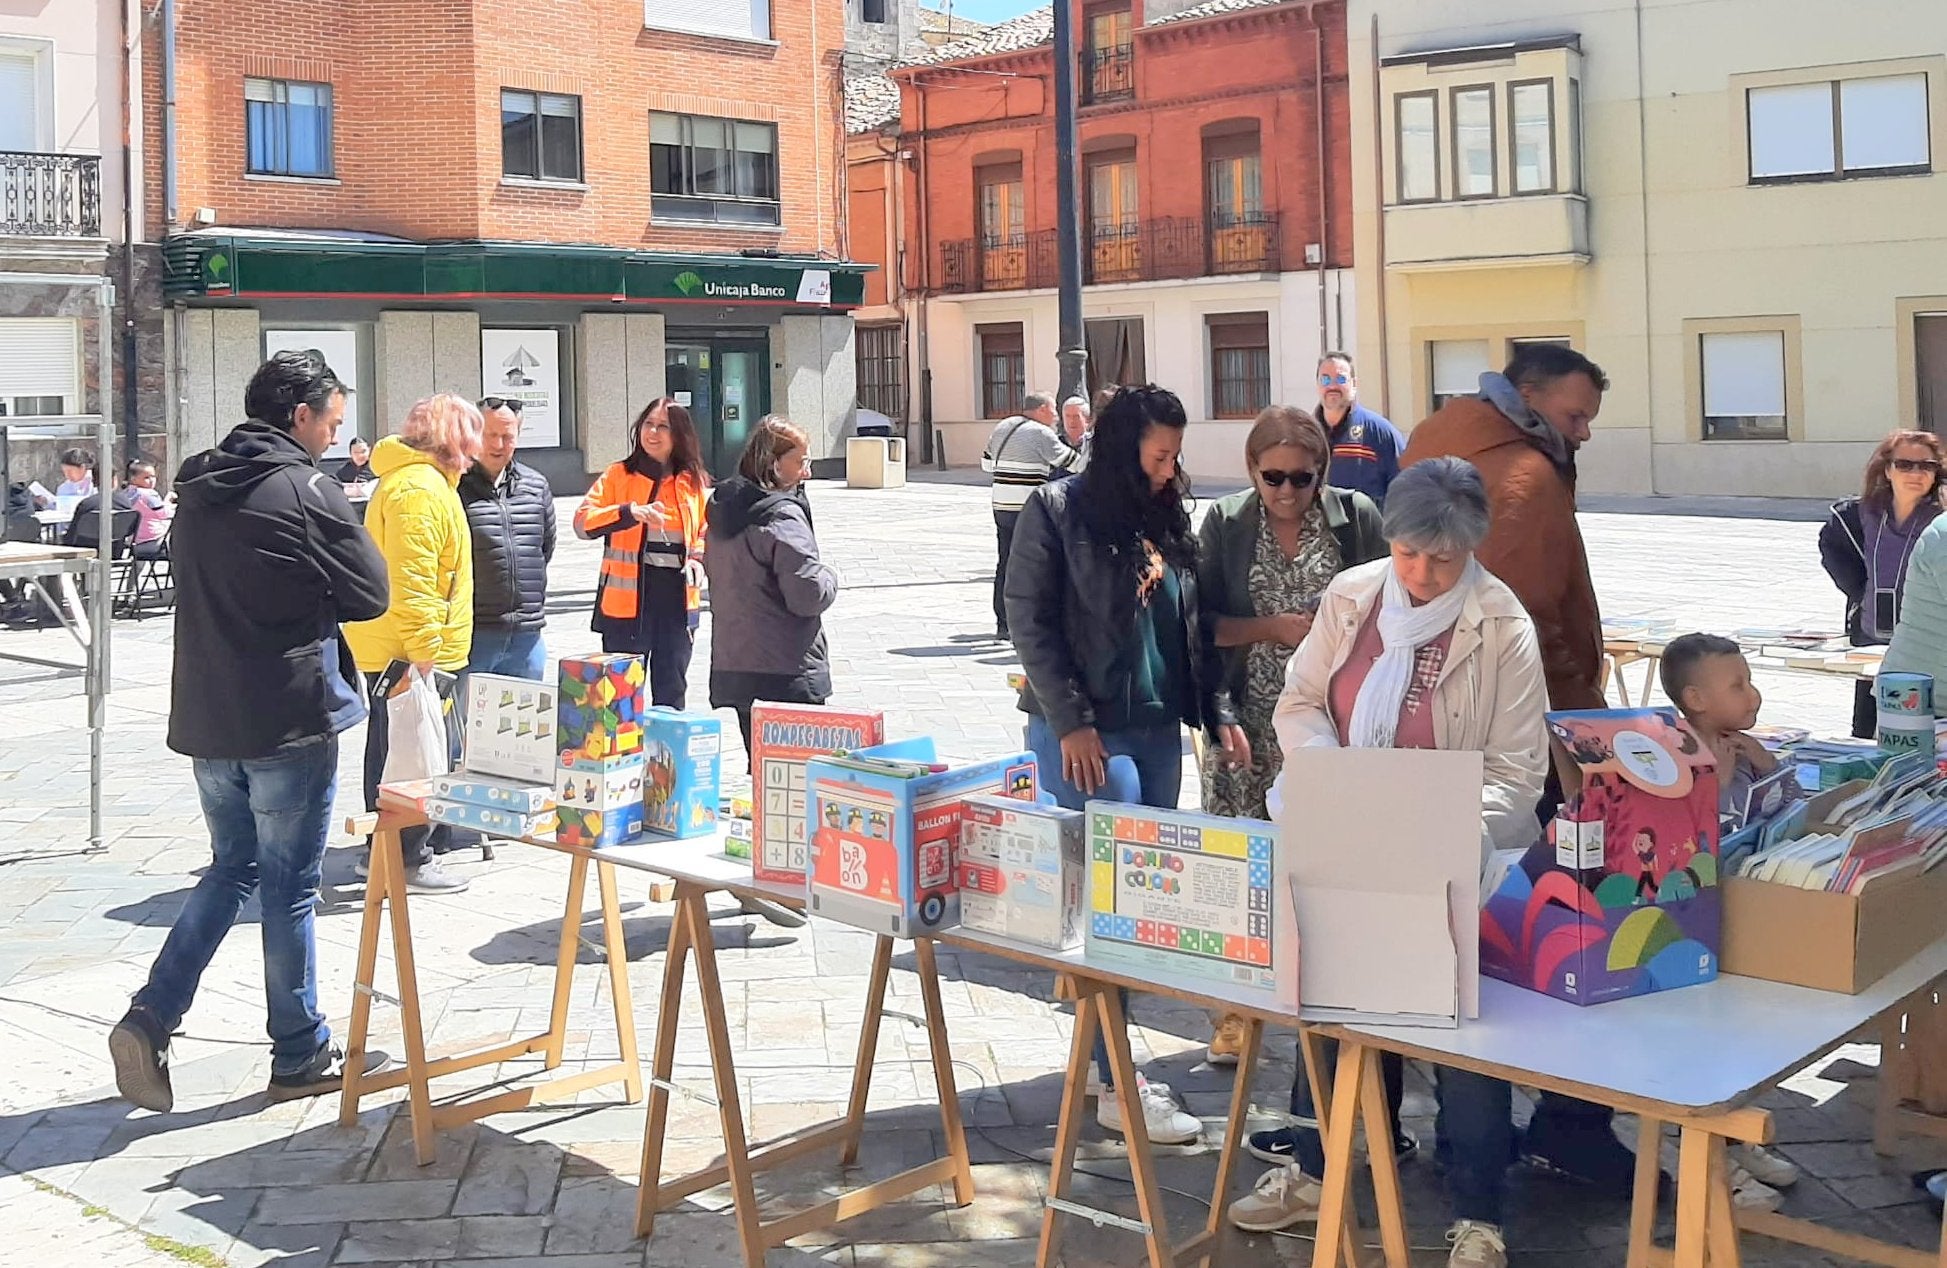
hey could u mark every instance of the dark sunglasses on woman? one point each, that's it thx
(1297, 479)
(1910, 465)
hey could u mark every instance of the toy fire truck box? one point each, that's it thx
(598, 802)
(783, 738)
(1622, 895)
(1022, 871)
(498, 794)
(886, 830)
(510, 724)
(679, 791)
(497, 821)
(600, 713)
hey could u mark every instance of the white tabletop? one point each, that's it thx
(1701, 1047)
(697, 860)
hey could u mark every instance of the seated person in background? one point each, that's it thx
(82, 529)
(77, 477)
(153, 511)
(358, 470)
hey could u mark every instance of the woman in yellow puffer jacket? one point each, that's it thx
(416, 518)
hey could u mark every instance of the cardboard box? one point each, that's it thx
(680, 789)
(1828, 941)
(408, 795)
(510, 725)
(600, 708)
(737, 840)
(783, 738)
(888, 829)
(598, 802)
(1022, 871)
(490, 819)
(499, 794)
(1622, 897)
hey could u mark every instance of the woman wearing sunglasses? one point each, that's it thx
(1264, 556)
(1870, 541)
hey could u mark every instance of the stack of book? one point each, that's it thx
(1854, 837)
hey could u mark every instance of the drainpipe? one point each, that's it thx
(169, 209)
(1379, 244)
(131, 42)
(931, 450)
(1324, 172)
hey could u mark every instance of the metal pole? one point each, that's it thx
(102, 606)
(1072, 356)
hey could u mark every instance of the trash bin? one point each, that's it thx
(875, 462)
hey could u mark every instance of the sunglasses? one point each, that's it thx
(508, 403)
(657, 429)
(1296, 479)
(1334, 380)
(1911, 465)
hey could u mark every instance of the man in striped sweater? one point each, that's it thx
(1023, 451)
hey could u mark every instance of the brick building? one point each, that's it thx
(1216, 194)
(627, 198)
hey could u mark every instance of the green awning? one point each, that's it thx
(247, 266)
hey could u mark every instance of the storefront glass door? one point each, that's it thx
(725, 384)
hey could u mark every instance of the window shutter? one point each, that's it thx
(40, 356)
(1458, 365)
(1884, 122)
(19, 103)
(1744, 374)
(1239, 330)
(1791, 130)
(745, 19)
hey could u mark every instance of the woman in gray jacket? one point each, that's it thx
(768, 588)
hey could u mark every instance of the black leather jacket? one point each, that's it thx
(513, 542)
(1071, 611)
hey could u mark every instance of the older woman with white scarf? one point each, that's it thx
(1425, 649)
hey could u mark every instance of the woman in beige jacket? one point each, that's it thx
(1425, 649)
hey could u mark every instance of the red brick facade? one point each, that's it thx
(416, 102)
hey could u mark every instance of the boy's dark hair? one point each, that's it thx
(1538, 364)
(290, 379)
(1682, 656)
(77, 458)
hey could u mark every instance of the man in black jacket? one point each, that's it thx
(510, 509)
(269, 559)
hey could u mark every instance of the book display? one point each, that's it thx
(783, 738)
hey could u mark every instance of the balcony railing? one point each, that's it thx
(50, 195)
(1108, 73)
(1124, 251)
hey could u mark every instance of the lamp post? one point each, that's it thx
(1072, 355)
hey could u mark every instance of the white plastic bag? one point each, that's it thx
(416, 733)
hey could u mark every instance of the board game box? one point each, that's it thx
(510, 727)
(888, 830)
(783, 738)
(494, 820)
(500, 794)
(599, 712)
(1175, 893)
(679, 791)
(598, 802)
(1022, 871)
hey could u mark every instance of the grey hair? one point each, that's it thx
(1439, 505)
(1080, 402)
(1036, 400)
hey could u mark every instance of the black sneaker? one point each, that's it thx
(1583, 1150)
(325, 1073)
(1280, 1146)
(139, 1047)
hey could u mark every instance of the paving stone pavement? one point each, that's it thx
(253, 1183)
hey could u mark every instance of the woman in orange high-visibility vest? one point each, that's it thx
(650, 512)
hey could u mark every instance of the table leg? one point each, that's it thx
(1722, 1234)
(1642, 1207)
(419, 1095)
(363, 985)
(1335, 1204)
(943, 1080)
(662, 1066)
(1135, 1130)
(1068, 1126)
(565, 955)
(1896, 1079)
(1385, 1167)
(875, 1008)
(730, 1103)
(617, 949)
(1693, 1198)
(1321, 1085)
(1240, 1108)
(77, 623)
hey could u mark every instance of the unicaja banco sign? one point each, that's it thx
(806, 286)
(695, 285)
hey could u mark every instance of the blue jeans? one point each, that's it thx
(268, 820)
(1145, 768)
(516, 653)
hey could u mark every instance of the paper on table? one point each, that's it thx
(1392, 953)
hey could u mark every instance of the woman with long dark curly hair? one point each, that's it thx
(650, 513)
(1102, 605)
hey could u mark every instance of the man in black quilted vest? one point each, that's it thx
(510, 509)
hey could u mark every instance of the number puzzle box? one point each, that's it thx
(1178, 895)
(1622, 896)
(1022, 871)
(510, 725)
(783, 738)
(679, 793)
(600, 712)
(887, 831)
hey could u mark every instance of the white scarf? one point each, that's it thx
(1404, 629)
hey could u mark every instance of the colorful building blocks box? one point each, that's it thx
(1622, 895)
(493, 820)
(500, 794)
(510, 724)
(1022, 871)
(887, 830)
(783, 738)
(600, 714)
(1179, 895)
(680, 786)
(598, 802)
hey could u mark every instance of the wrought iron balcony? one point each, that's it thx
(1122, 251)
(1108, 73)
(50, 195)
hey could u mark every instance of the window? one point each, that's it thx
(1115, 352)
(1574, 136)
(20, 100)
(1417, 146)
(1240, 364)
(1457, 366)
(1108, 63)
(40, 366)
(1531, 137)
(722, 170)
(1003, 368)
(873, 11)
(1001, 214)
(1473, 142)
(1930, 368)
(1115, 252)
(1539, 341)
(540, 136)
(882, 370)
(1744, 385)
(1234, 173)
(1831, 129)
(734, 19)
(287, 127)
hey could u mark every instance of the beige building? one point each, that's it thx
(1734, 206)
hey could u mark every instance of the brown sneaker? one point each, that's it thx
(1227, 1043)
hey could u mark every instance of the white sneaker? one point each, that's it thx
(1773, 1169)
(1748, 1193)
(1094, 1086)
(1284, 1196)
(1167, 1124)
(1476, 1245)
